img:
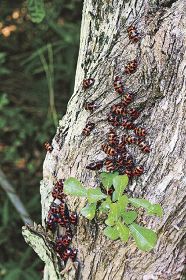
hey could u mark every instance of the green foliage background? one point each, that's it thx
(36, 61)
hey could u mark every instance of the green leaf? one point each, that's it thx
(107, 179)
(105, 205)
(140, 202)
(152, 209)
(123, 231)
(114, 196)
(89, 211)
(145, 238)
(120, 182)
(95, 195)
(114, 213)
(36, 10)
(74, 187)
(122, 204)
(110, 221)
(155, 209)
(111, 233)
(129, 217)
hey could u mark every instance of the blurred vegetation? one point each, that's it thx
(37, 69)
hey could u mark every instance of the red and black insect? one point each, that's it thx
(133, 34)
(129, 172)
(88, 128)
(52, 216)
(138, 170)
(129, 161)
(118, 109)
(68, 231)
(56, 218)
(90, 106)
(73, 254)
(63, 220)
(140, 131)
(54, 208)
(88, 83)
(110, 164)
(59, 213)
(127, 99)
(143, 146)
(59, 248)
(112, 138)
(65, 241)
(95, 165)
(122, 145)
(121, 170)
(48, 147)
(108, 149)
(124, 159)
(62, 209)
(60, 183)
(66, 254)
(131, 67)
(51, 222)
(127, 124)
(130, 139)
(64, 213)
(134, 114)
(118, 85)
(62, 242)
(57, 191)
(73, 218)
(120, 159)
(113, 120)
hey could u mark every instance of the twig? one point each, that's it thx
(7, 187)
(49, 72)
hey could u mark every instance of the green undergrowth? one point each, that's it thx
(120, 211)
(37, 63)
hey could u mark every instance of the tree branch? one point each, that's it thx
(7, 187)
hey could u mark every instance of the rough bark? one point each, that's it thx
(160, 86)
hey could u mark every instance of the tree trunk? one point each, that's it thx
(160, 90)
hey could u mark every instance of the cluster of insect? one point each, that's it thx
(118, 158)
(59, 215)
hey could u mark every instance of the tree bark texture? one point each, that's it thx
(159, 84)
